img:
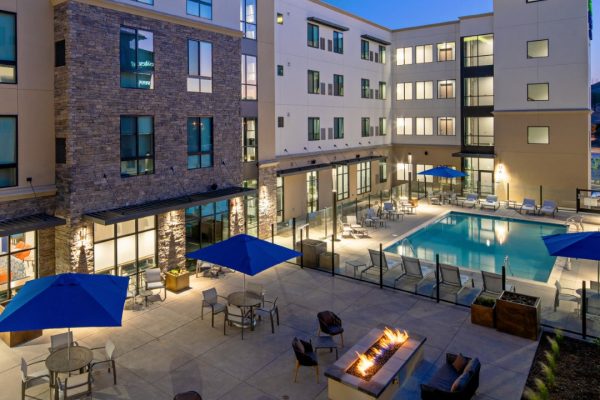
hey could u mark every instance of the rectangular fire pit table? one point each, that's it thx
(386, 382)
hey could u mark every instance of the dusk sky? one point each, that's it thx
(405, 13)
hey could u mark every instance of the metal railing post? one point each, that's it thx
(541, 195)
(503, 277)
(334, 217)
(332, 255)
(301, 248)
(381, 265)
(272, 233)
(294, 233)
(410, 185)
(583, 310)
(507, 191)
(356, 208)
(369, 199)
(437, 278)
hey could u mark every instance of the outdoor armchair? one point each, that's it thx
(211, 299)
(235, 315)
(330, 324)
(305, 356)
(154, 280)
(565, 294)
(490, 202)
(528, 206)
(357, 228)
(60, 341)
(73, 386)
(107, 359)
(492, 284)
(270, 308)
(465, 381)
(257, 290)
(549, 207)
(29, 379)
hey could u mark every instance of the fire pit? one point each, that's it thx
(376, 366)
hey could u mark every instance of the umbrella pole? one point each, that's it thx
(598, 277)
(68, 344)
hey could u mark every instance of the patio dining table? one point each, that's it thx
(68, 360)
(245, 300)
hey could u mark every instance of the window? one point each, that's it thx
(279, 198)
(382, 91)
(423, 178)
(249, 80)
(18, 260)
(137, 145)
(383, 172)
(403, 171)
(404, 126)
(479, 131)
(251, 208)
(537, 48)
(479, 91)
(280, 122)
(199, 67)
(8, 151)
(313, 35)
(341, 181)
(126, 248)
(382, 54)
(338, 85)
(137, 58)
(424, 90)
(363, 177)
(446, 51)
(200, 142)
(314, 82)
(248, 18)
(312, 191)
(538, 92)
(60, 53)
(279, 18)
(314, 128)
(364, 50)
(250, 136)
(404, 56)
(338, 42)
(365, 127)
(8, 47)
(424, 54)
(338, 128)
(382, 126)
(446, 89)
(480, 175)
(424, 126)
(280, 70)
(446, 126)
(60, 150)
(207, 224)
(478, 50)
(365, 91)
(200, 8)
(404, 91)
(538, 135)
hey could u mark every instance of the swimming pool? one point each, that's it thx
(481, 242)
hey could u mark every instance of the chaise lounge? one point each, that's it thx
(527, 206)
(549, 207)
(470, 201)
(491, 202)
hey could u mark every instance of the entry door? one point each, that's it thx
(486, 182)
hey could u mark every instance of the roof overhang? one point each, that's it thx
(475, 155)
(332, 25)
(29, 223)
(299, 170)
(376, 40)
(358, 160)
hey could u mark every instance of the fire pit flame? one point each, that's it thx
(377, 355)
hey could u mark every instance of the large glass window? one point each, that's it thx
(251, 209)
(480, 175)
(446, 51)
(206, 225)
(446, 126)
(537, 48)
(314, 128)
(248, 18)
(338, 85)
(404, 91)
(447, 89)
(424, 54)
(382, 90)
(383, 171)
(312, 191)
(137, 58)
(200, 8)
(365, 90)
(363, 177)
(250, 136)
(382, 54)
(341, 180)
(279, 197)
(365, 127)
(364, 50)
(137, 145)
(423, 178)
(478, 50)
(200, 142)
(338, 128)
(424, 90)
(18, 262)
(338, 42)
(403, 171)
(249, 78)
(383, 126)
(8, 151)
(479, 91)
(126, 248)
(424, 126)
(199, 67)
(8, 47)
(404, 56)
(312, 35)
(404, 126)
(314, 82)
(479, 131)
(538, 92)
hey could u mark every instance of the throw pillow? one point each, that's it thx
(459, 363)
(461, 382)
(472, 366)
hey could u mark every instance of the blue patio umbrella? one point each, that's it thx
(585, 245)
(443, 172)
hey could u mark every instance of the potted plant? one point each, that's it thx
(177, 279)
(518, 314)
(483, 311)
(19, 337)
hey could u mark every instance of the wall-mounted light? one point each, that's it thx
(82, 235)
(501, 175)
(410, 158)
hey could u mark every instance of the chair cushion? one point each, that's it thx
(472, 366)
(459, 363)
(444, 377)
(155, 285)
(461, 382)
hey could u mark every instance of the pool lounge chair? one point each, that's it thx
(357, 228)
(549, 207)
(452, 280)
(470, 201)
(528, 206)
(414, 273)
(492, 285)
(491, 202)
(376, 261)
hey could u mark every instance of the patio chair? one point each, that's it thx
(347, 231)
(490, 202)
(448, 383)
(470, 201)
(211, 299)
(527, 206)
(595, 286)
(30, 379)
(414, 272)
(434, 199)
(376, 259)
(131, 292)
(270, 308)
(305, 357)
(202, 267)
(372, 218)
(107, 359)
(451, 279)
(60, 341)
(388, 209)
(235, 315)
(74, 386)
(492, 284)
(154, 280)
(549, 207)
(188, 396)
(565, 294)
(330, 324)
(357, 228)
(257, 290)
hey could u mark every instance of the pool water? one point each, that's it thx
(482, 242)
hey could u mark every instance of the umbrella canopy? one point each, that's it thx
(66, 301)
(245, 254)
(443, 172)
(584, 245)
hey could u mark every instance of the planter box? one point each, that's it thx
(325, 260)
(13, 339)
(177, 283)
(483, 315)
(311, 249)
(518, 319)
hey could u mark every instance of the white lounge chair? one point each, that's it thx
(451, 279)
(528, 206)
(154, 280)
(414, 273)
(549, 207)
(380, 262)
(492, 284)
(491, 202)
(470, 201)
(565, 294)
(357, 228)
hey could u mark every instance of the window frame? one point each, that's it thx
(245, 84)
(338, 122)
(404, 126)
(310, 39)
(407, 87)
(547, 84)
(342, 180)
(382, 126)
(244, 17)
(312, 197)
(383, 171)
(446, 82)
(338, 42)
(445, 49)
(200, 78)
(245, 143)
(425, 84)
(314, 129)
(365, 88)
(11, 253)
(537, 127)
(529, 57)
(365, 50)
(365, 127)
(136, 71)
(382, 90)
(425, 48)
(15, 165)
(338, 85)
(425, 121)
(443, 122)
(363, 177)
(137, 158)
(200, 3)
(404, 51)
(202, 153)
(12, 63)
(313, 82)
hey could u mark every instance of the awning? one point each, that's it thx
(123, 214)
(358, 160)
(332, 25)
(298, 170)
(29, 223)
(376, 40)
(474, 155)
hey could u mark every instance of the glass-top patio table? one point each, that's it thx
(245, 300)
(68, 360)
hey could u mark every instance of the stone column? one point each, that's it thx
(237, 216)
(267, 201)
(46, 252)
(171, 240)
(74, 248)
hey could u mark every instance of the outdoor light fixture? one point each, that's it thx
(410, 158)
(82, 235)
(501, 175)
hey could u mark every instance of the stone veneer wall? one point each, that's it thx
(267, 201)
(171, 240)
(89, 102)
